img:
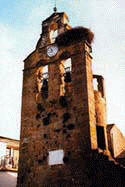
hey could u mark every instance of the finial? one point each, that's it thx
(55, 8)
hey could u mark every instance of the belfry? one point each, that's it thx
(63, 122)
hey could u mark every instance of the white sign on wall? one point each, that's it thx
(56, 157)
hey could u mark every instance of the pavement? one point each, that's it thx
(8, 179)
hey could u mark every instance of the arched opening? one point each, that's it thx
(67, 77)
(44, 87)
(68, 69)
(100, 137)
(53, 32)
(53, 35)
(98, 81)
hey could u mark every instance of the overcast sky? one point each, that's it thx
(20, 28)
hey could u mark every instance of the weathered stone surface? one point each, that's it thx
(64, 119)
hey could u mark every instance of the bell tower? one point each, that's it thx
(51, 27)
(58, 123)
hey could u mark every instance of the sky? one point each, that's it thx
(20, 29)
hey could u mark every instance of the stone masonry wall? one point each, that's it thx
(63, 121)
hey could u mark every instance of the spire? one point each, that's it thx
(55, 8)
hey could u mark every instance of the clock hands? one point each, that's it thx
(52, 50)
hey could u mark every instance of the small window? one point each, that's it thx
(101, 137)
(56, 157)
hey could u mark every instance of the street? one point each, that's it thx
(8, 179)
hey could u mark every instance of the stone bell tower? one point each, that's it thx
(59, 108)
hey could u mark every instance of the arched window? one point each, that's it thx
(53, 35)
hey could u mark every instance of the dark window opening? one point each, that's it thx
(44, 89)
(100, 137)
(67, 75)
(63, 101)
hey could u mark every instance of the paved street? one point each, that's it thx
(8, 179)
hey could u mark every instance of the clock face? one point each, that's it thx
(52, 50)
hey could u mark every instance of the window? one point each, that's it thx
(100, 137)
(8, 152)
(56, 157)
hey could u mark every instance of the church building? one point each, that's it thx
(63, 122)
